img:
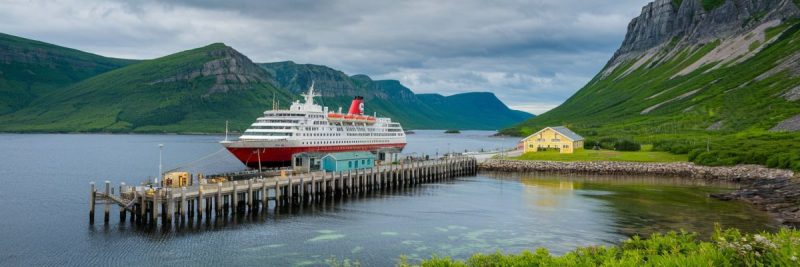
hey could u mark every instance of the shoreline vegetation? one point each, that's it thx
(726, 248)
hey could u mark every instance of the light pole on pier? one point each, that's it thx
(160, 166)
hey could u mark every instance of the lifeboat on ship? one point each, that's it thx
(350, 118)
(335, 117)
(354, 115)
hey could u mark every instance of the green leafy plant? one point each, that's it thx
(726, 248)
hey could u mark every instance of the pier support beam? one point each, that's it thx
(218, 201)
(122, 211)
(235, 199)
(265, 195)
(170, 206)
(91, 202)
(200, 202)
(250, 196)
(289, 193)
(142, 206)
(183, 204)
(156, 207)
(277, 193)
(107, 203)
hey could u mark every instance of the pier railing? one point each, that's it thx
(146, 205)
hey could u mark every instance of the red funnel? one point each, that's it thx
(357, 107)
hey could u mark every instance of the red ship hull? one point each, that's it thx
(282, 156)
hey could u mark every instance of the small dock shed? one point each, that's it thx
(344, 161)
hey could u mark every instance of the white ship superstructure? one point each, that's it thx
(307, 127)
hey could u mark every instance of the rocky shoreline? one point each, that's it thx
(776, 191)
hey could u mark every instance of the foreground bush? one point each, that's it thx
(611, 143)
(727, 248)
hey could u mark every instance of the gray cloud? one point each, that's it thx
(532, 54)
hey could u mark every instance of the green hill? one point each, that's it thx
(46, 88)
(474, 108)
(29, 69)
(390, 98)
(721, 84)
(190, 91)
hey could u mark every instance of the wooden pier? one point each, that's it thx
(147, 205)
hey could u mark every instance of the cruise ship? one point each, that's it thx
(307, 127)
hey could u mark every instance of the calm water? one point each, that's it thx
(45, 192)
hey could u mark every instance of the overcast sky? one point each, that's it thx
(533, 54)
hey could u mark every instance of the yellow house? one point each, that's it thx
(561, 138)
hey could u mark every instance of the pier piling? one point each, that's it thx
(176, 205)
(106, 204)
(91, 202)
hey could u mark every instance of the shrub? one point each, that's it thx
(784, 161)
(693, 154)
(607, 143)
(627, 145)
(726, 248)
(679, 149)
(589, 144)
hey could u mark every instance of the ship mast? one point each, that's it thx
(309, 97)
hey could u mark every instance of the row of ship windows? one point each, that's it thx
(332, 142)
(396, 126)
(352, 129)
(267, 134)
(286, 115)
(278, 121)
(373, 134)
(272, 127)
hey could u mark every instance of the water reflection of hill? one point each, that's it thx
(643, 204)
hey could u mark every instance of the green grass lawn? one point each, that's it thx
(605, 155)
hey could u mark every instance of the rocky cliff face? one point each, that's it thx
(688, 23)
(230, 69)
(334, 83)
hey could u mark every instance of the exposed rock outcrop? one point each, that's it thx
(677, 98)
(231, 70)
(716, 126)
(687, 25)
(790, 124)
(780, 197)
(793, 94)
(334, 83)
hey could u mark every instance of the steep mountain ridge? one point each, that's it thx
(682, 63)
(390, 98)
(230, 69)
(690, 76)
(191, 91)
(197, 91)
(689, 23)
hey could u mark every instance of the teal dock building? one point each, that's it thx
(344, 161)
